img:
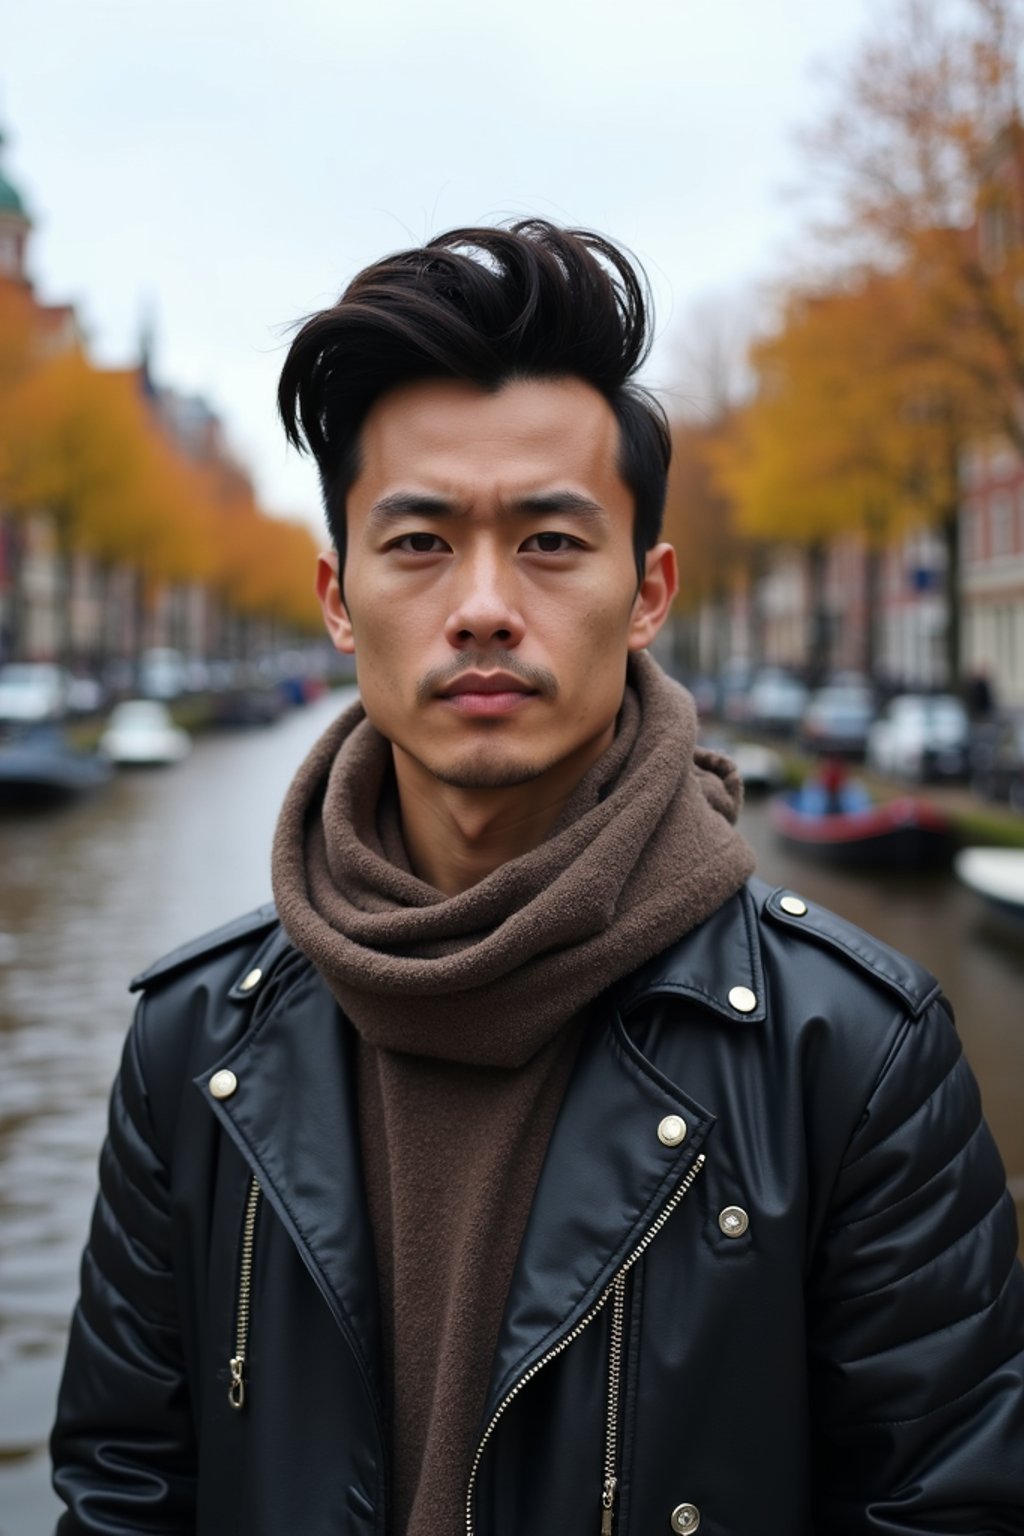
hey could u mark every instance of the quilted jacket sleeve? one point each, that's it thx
(123, 1443)
(917, 1324)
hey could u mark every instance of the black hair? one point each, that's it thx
(488, 305)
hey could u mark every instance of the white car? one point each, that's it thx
(163, 673)
(31, 691)
(920, 736)
(141, 732)
(776, 701)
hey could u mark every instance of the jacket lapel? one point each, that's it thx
(293, 1118)
(606, 1178)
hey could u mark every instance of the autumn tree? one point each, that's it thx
(81, 446)
(854, 429)
(261, 566)
(700, 517)
(86, 448)
(921, 166)
(700, 522)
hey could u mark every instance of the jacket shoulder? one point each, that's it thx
(791, 916)
(761, 932)
(239, 934)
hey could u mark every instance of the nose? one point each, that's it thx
(485, 610)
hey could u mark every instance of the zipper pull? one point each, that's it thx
(608, 1505)
(236, 1391)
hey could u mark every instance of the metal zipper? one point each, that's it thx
(572, 1336)
(236, 1389)
(611, 1432)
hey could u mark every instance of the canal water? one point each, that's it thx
(91, 894)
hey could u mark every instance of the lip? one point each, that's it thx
(487, 693)
(485, 682)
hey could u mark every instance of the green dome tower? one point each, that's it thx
(15, 226)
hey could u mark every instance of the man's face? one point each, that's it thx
(490, 587)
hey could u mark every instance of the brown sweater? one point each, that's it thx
(448, 1213)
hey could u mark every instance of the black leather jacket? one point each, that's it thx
(768, 1286)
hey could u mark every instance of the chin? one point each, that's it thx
(486, 771)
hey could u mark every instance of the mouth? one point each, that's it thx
(487, 693)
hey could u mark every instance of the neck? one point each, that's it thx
(457, 837)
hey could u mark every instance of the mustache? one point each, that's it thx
(539, 679)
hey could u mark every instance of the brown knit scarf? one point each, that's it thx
(469, 1010)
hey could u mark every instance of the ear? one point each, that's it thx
(332, 604)
(654, 599)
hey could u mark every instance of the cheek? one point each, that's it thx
(601, 627)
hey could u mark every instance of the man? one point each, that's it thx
(534, 1169)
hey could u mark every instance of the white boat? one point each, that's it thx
(140, 732)
(996, 874)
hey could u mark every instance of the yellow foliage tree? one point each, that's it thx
(854, 428)
(922, 161)
(260, 565)
(701, 522)
(86, 446)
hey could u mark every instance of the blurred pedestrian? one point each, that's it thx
(980, 696)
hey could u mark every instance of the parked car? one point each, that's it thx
(31, 691)
(734, 683)
(163, 673)
(86, 694)
(140, 732)
(837, 719)
(997, 760)
(705, 694)
(921, 736)
(776, 701)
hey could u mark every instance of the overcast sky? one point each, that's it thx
(233, 164)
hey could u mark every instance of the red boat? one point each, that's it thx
(904, 834)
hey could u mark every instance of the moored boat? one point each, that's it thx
(904, 834)
(38, 767)
(996, 875)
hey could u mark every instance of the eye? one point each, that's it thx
(419, 544)
(552, 543)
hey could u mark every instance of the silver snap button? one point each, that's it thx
(672, 1130)
(223, 1084)
(733, 1221)
(253, 979)
(742, 999)
(685, 1519)
(794, 906)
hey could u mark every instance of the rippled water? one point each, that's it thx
(90, 895)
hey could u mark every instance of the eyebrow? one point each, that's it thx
(398, 504)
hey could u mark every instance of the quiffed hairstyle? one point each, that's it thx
(490, 306)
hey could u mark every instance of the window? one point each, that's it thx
(970, 531)
(1001, 522)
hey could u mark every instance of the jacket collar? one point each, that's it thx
(717, 964)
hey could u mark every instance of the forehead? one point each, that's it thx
(450, 436)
